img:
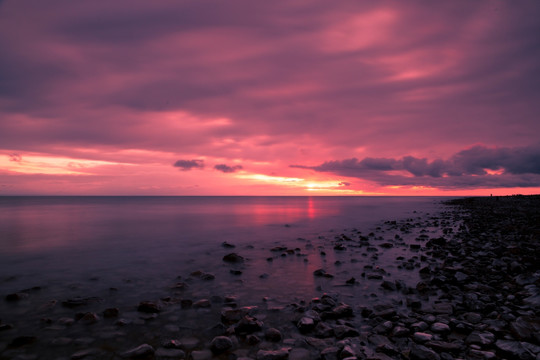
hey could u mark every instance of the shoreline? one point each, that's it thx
(477, 297)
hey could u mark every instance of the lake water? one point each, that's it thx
(55, 240)
(124, 250)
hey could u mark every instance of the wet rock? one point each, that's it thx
(22, 341)
(233, 258)
(165, 353)
(420, 352)
(330, 353)
(383, 327)
(138, 352)
(280, 354)
(322, 273)
(208, 276)
(388, 285)
(299, 354)
(227, 245)
(253, 339)
(421, 337)
(89, 318)
(420, 326)
(526, 328)
(76, 302)
(203, 303)
(440, 328)
(479, 354)
(201, 355)
(400, 331)
(480, 338)
(149, 307)
(339, 312)
(513, 349)
(273, 335)
(443, 346)
(323, 330)
(111, 312)
(343, 331)
(16, 296)
(81, 354)
(4, 327)
(305, 324)
(221, 344)
(248, 325)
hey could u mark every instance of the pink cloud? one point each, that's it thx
(288, 84)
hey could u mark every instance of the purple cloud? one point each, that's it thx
(186, 165)
(470, 168)
(227, 169)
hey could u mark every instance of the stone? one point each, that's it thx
(400, 331)
(81, 354)
(421, 337)
(16, 296)
(440, 328)
(22, 341)
(420, 352)
(513, 348)
(233, 258)
(281, 354)
(344, 331)
(201, 355)
(203, 303)
(480, 338)
(111, 312)
(322, 273)
(162, 353)
(221, 344)
(299, 354)
(330, 353)
(149, 307)
(305, 324)
(323, 330)
(525, 328)
(89, 318)
(139, 351)
(443, 346)
(248, 325)
(273, 335)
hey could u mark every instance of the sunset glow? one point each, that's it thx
(266, 98)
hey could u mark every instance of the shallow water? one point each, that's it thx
(128, 249)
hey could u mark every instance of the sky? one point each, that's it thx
(243, 97)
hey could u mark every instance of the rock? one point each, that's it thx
(227, 245)
(280, 354)
(420, 352)
(322, 273)
(420, 326)
(149, 307)
(421, 337)
(89, 318)
(480, 338)
(172, 344)
(513, 349)
(305, 324)
(16, 296)
(339, 312)
(140, 351)
(526, 328)
(440, 328)
(323, 330)
(347, 352)
(443, 346)
(299, 354)
(76, 302)
(252, 339)
(248, 325)
(473, 318)
(203, 303)
(22, 341)
(478, 354)
(388, 285)
(208, 276)
(201, 355)
(221, 344)
(162, 353)
(81, 354)
(233, 258)
(330, 353)
(400, 331)
(111, 312)
(273, 335)
(343, 331)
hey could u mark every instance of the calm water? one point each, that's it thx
(82, 246)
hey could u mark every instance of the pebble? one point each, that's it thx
(139, 351)
(221, 344)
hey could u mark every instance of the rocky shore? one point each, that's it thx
(462, 284)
